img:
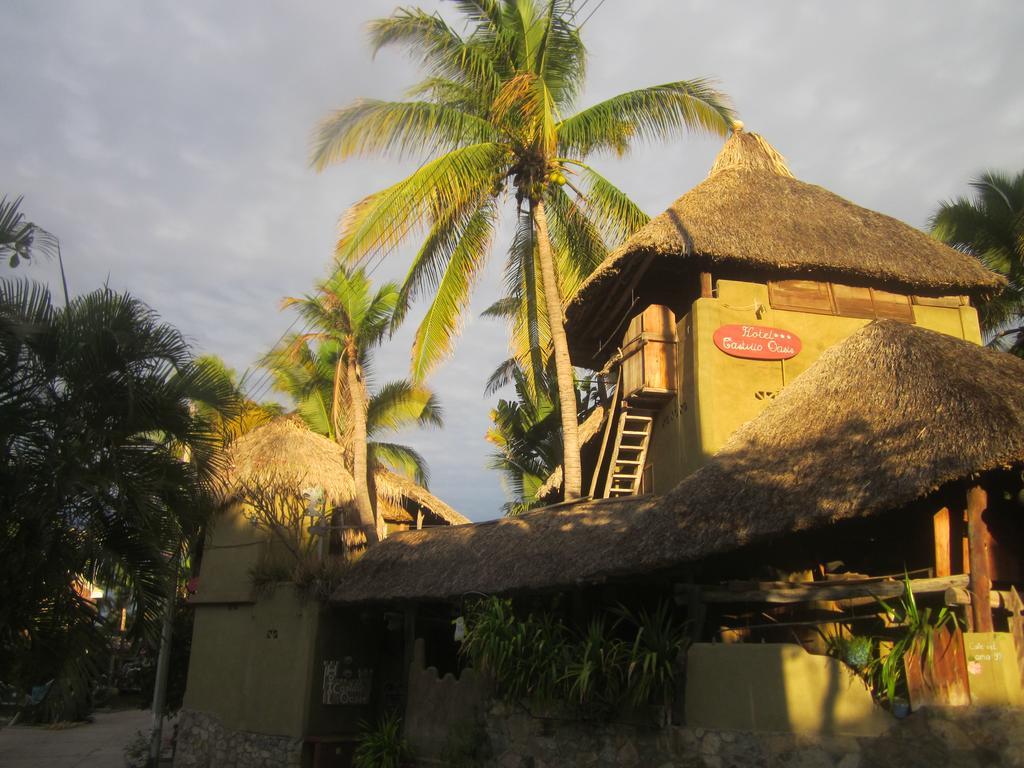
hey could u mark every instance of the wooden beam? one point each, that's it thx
(1016, 625)
(941, 529)
(706, 289)
(980, 585)
(961, 596)
(811, 591)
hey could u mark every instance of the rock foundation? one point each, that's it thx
(204, 742)
(969, 737)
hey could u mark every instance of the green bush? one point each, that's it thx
(633, 658)
(382, 746)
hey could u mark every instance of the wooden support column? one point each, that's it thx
(408, 646)
(706, 291)
(943, 539)
(978, 544)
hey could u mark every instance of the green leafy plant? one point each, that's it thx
(633, 658)
(654, 653)
(880, 661)
(524, 657)
(596, 675)
(920, 625)
(382, 746)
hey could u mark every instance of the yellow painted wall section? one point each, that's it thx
(251, 665)
(233, 548)
(718, 393)
(777, 687)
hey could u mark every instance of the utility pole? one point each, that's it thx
(163, 665)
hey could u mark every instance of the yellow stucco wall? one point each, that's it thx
(718, 393)
(251, 664)
(232, 549)
(777, 687)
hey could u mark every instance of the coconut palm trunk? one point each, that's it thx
(360, 474)
(563, 364)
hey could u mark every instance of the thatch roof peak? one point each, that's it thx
(286, 453)
(749, 151)
(752, 220)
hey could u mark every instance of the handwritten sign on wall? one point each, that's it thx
(345, 684)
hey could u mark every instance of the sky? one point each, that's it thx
(166, 143)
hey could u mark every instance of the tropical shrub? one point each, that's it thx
(382, 746)
(620, 657)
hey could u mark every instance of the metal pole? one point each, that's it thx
(163, 665)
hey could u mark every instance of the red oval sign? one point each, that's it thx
(757, 342)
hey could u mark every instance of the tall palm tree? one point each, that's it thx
(495, 118)
(990, 227)
(346, 314)
(94, 419)
(306, 372)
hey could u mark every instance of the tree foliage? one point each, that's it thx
(990, 227)
(105, 471)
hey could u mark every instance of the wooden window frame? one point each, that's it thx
(778, 301)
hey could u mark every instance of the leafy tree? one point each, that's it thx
(347, 320)
(95, 424)
(495, 118)
(19, 238)
(990, 227)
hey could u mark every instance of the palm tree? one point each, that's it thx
(494, 116)
(348, 321)
(306, 374)
(990, 227)
(95, 416)
(528, 442)
(20, 237)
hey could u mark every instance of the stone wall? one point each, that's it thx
(969, 737)
(203, 742)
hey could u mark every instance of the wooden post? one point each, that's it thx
(419, 519)
(943, 559)
(980, 585)
(408, 639)
(705, 286)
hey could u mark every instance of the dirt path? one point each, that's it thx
(98, 744)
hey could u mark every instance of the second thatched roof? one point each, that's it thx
(286, 453)
(752, 218)
(886, 417)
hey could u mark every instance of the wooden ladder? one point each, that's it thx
(626, 469)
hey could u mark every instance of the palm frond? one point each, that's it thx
(403, 459)
(656, 113)
(450, 182)
(616, 216)
(443, 318)
(388, 128)
(400, 404)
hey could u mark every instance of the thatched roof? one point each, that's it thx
(589, 429)
(285, 452)
(751, 218)
(397, 488)
(879, 421)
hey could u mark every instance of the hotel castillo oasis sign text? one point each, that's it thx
(757, 342)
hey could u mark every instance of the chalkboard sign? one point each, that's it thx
(345, 684)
